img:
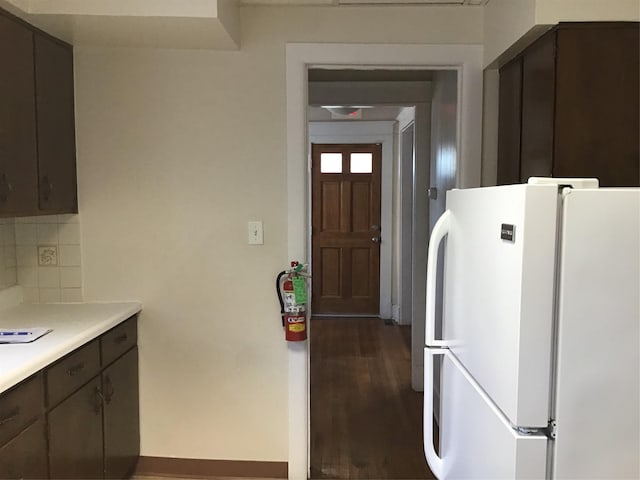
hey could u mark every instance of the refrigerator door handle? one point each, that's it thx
(436, 463)
(440, 230)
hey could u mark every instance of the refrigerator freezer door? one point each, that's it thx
(598, 392)
(499, 285)
(476, 440)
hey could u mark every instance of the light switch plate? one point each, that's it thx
(256, 236)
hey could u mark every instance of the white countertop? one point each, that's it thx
(73, 324)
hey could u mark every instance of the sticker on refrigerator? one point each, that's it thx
(508, 232)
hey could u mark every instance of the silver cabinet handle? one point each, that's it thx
(5, 188)
(47, 188)
(75, 370)
(375, 239)
(13, 414)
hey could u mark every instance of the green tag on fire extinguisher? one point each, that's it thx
(299, 290)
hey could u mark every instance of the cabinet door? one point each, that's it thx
(509, 117)
(18, 154)
(598, 120)
(121, 417)
(75, 435)
(538, 101)
(25, 456)
(56, 130)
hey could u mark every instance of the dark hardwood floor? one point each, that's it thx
(366, 421)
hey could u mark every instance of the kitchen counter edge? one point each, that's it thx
(95, 319)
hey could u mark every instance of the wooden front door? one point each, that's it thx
(346, 229)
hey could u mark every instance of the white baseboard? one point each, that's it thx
(395, 313)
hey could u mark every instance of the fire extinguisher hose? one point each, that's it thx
(280, 275)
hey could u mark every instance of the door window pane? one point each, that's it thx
(330, 163)
(361, 163)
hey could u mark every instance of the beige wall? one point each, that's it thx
(507, 21)
(177, 150)
(490, 101)
(172, 164)
(554, 11)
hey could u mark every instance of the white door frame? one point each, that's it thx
(467, 59)
(369, 132)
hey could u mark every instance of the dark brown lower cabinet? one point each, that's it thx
(25, 456)
(75, 435)
(89, 426)
(121, 431)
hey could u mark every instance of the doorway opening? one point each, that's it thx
(371, 368)
(467, 61)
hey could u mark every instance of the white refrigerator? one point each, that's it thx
(540, 365)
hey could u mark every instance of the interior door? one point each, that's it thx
(346, 232)
(442, 178)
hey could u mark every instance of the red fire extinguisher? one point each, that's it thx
(292, 293)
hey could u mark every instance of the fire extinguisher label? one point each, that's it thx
(296, 327)
(300, 290)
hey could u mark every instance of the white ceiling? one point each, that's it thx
(337, 3)
(202, 24)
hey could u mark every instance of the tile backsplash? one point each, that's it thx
(8, 270)
(47, 257)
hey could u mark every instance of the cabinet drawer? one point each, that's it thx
(118, 340)
(20, 405)
(73, 371)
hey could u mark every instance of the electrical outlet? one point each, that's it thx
(255, 233)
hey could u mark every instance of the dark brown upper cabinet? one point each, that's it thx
(18, 150)
(509, 115)
(37, 128)
(56, 126)
(574, 111)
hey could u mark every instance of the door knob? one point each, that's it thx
(375, 239)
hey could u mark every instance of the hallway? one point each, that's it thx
(366, 421)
